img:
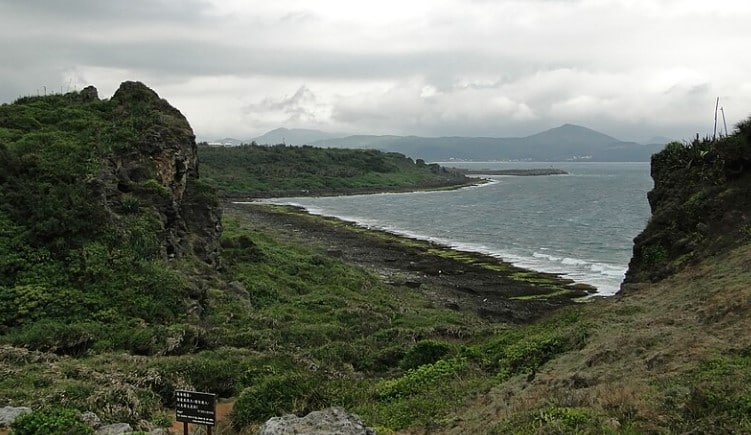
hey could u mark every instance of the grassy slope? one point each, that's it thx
(314, 332)
(668, 357)
(671, 356)
(317, 332)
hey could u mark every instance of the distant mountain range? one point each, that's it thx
(565, 143)
(295, 136)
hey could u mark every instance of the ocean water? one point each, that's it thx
(579, 225)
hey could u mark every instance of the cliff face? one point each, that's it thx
(163, 149)
(701, 205)
(102, 207)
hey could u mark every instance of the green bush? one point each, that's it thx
(124, 403)
(568, 418)
(529, 353)
(51, 421)
(422, 379)
(653, 256)
(424, 352)
(54, 336)
(277, 395)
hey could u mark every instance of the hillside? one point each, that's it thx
(267, 171)
(672, 357)
(565, 143)
(119, 284)
(672, 352)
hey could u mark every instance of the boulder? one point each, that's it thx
(91, 419)
(89, 94)
(330, 421)
(114, 429)
(9, 414)
(237, 288)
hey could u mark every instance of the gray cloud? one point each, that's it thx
(100, 12)
(633, 69)
(300, 108)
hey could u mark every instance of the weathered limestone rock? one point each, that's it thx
(330, 421)
(700, 206)
(91, 419)
(237, 288)
(9, 414)
(114, 429)
(89, 94)
(159, 168)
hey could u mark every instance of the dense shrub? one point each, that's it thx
(276, 395)
(424, 352)
(54, 336)
(51, 421)
(422, 379)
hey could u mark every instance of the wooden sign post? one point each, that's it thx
(197, 408)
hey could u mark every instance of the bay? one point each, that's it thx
(579, 225)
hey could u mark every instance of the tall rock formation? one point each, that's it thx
(701, 205)
(103, 216)
(163, 149)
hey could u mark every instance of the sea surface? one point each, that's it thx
(579, 225)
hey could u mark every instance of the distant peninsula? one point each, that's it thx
(516, 172)
(262, 171)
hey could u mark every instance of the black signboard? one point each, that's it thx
(194, 407)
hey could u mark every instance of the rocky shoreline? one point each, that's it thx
(459, 280)
(249, 196)
(533, 172)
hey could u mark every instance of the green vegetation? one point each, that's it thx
(51, 421)
(84, 278)
(99, 313)
(314, 332)
(720, 391)
(291, 170)
(73, 274)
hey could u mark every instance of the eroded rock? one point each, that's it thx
(9, 414)
(91, 419)
(114, 429)
(330, 421)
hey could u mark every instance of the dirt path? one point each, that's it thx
(459, 280)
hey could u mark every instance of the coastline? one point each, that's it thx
(249, 196)
(532, 172)
(460, 280)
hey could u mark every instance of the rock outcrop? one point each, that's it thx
(701, 205)
(158, 166)
(114, 429)
(9, 414)
(330, 421)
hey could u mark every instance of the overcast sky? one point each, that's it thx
(629, 68)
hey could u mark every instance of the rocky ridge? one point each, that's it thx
(165, 151)
(325, 422)
(700, 205)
